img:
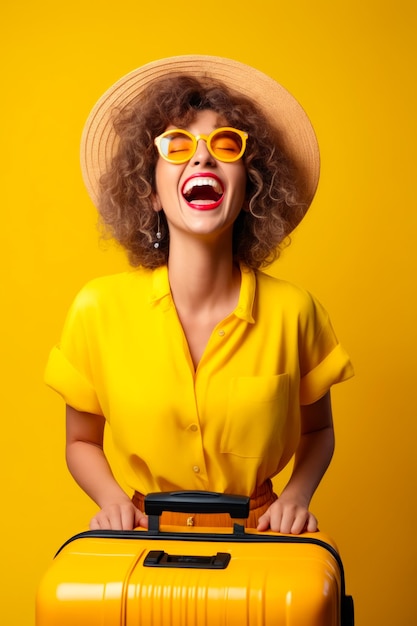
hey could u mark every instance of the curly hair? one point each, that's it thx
(273, 207)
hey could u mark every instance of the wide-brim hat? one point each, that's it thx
(294, 130)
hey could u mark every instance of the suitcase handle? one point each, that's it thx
(194, 502)
(159, 558)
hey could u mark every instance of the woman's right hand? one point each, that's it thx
(88, 465)
(119, 516)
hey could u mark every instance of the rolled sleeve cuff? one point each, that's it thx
(74, 388)
(335, 368)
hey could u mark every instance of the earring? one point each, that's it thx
(158, 234)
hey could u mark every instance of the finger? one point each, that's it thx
(312, 524)
(107, 519)
(142, 520)
(114, 519)
(300, 523)
(287, 520)
(94, 525)
(275, 518)
(264, 521)
(127, 518)
(100, 522)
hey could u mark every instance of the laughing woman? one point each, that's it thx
(210, 374)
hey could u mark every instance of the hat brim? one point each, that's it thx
(285, 114)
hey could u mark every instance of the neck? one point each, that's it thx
(201, 274)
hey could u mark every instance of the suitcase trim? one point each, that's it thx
(347, 614)
(236, 537)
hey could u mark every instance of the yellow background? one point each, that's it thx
(353, 67)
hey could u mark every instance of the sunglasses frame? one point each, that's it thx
(207, 138)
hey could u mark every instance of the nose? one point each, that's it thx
(202, 155)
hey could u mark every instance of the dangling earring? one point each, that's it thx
(158, 234)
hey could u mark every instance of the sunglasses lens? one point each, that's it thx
(176, 146)
(227, 145)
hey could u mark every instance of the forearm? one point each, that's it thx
(312, 458)
(290, 513)
(91, 470)
(88, 465)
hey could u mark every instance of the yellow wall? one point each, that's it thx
(352, 65)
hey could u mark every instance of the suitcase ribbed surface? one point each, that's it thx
(195, 578)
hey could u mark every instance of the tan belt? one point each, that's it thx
(260, 500)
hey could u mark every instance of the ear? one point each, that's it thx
(245, 205)
(156, 202)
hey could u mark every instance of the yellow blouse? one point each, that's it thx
(226, 426)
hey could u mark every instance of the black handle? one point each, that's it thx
(159, 558)
(197, 502)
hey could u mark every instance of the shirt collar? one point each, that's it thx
(244, 307)
(161, 289)
(160, 286)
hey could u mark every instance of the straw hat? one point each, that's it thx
(285, 114)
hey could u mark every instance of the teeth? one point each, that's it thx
(203, 181)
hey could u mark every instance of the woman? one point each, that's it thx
(210, 374)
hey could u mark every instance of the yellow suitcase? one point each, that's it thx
(171, 576)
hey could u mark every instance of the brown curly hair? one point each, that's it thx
(126, 189)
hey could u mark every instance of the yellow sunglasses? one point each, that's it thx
(224, 144)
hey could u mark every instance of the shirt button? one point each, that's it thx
(221, 333)
(194, 427)
(196, 469)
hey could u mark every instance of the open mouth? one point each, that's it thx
(203, 192)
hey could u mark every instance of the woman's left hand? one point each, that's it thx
(289, 516)
(290, 513)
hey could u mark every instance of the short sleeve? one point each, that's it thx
(70, 366)
(323, 360)
(66, 380)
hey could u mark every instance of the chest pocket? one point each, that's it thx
(256, 418)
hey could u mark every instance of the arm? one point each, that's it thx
(91, 470)
(290, 514)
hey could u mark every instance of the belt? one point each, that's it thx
(260, 501)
